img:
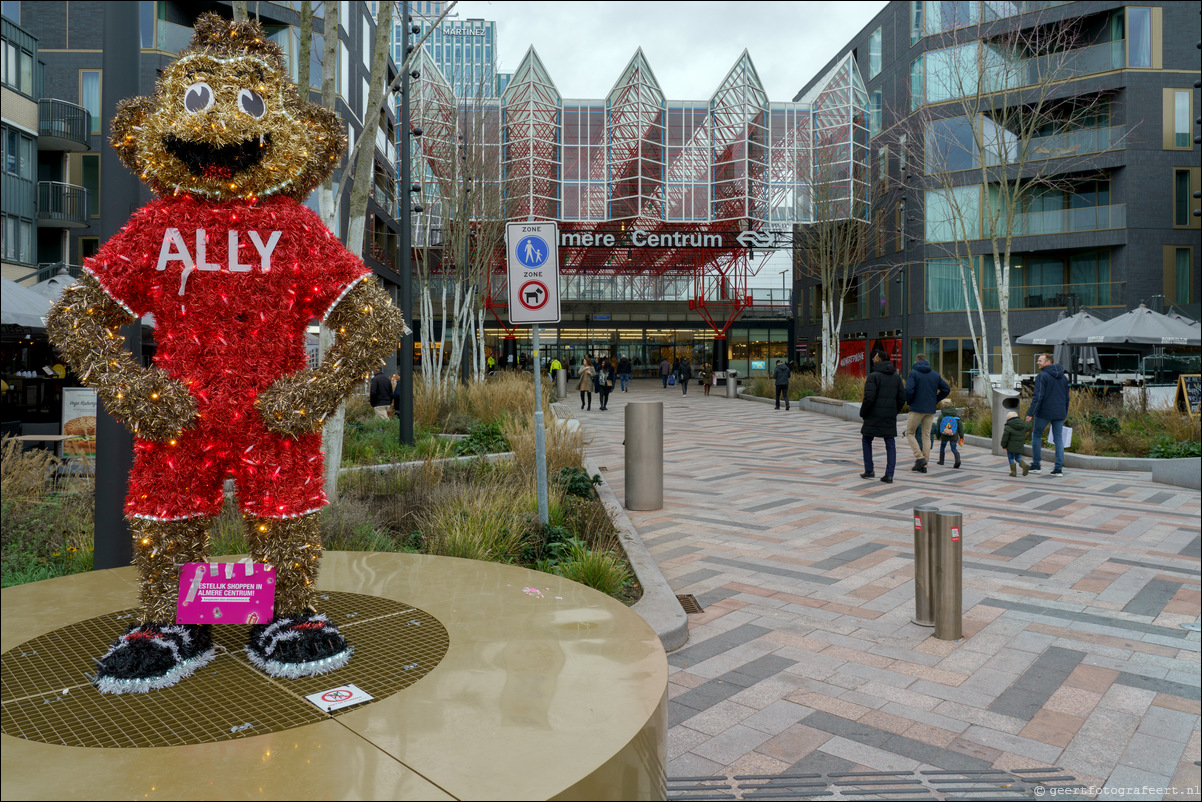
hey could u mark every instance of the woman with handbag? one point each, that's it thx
(605, 381)
(587, 379)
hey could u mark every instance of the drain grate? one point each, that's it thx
(689, 602)
(934, 785)
(46, 695)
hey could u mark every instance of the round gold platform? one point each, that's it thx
(547, 689)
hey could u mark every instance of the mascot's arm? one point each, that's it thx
(366, 328)
(83, 325)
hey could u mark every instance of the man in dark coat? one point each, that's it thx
(1049, 405)
(884, 396)
(379, 393)
(925, 388)
(781, 376)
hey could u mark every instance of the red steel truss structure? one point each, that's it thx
(673, 171)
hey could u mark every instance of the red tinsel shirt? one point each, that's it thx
(227, 325)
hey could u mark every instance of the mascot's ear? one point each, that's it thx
(126, 129)
(328, 141)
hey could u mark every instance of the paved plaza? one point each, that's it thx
(805, 658)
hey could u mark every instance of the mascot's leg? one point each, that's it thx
(299, 641)
(156, 652)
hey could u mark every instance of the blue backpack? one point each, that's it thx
(948, 426)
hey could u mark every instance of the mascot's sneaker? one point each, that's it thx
(153, 656)
(298, 646)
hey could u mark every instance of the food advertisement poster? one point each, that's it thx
(79, 422)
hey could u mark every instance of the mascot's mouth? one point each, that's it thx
(217, 161)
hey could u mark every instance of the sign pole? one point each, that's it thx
(540, 442)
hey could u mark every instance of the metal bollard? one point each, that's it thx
(1003, 401)
(561, 383)
(924, 566)
(645, 455)
(949, 526)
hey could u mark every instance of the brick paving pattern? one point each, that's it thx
(805, 659)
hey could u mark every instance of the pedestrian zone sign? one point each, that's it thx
(532, 253)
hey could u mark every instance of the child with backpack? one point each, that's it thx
(949, 429)
(1014, 437)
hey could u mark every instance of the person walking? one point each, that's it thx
(664, 370)
(781, 376)
(379, 393)
(555, 365)
(1049, 405)
(949, 429)
(585, 386)
(605, 382)
(1014, 437)
(685, 375)
(706, 374)
(884, 396)
(924, 390)
(624, 371)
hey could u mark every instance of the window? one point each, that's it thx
(17, 156)
(916, 83)
(16, 66)
(1139, 37)
(367, 44)
(1185, 183)
(90, 180)
(344, 73)
(18, 240)
(952, 214)
(12, 10)
(874, 54)
(89, 96)
(874, 114)
(915, 20)
(945, 280)
(88, 246)
(1178, 111)
(1179, 284)
(882, 166)
(947, 15)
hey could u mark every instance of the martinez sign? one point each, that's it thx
(638, 238)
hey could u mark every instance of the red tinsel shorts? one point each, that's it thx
(274, 477)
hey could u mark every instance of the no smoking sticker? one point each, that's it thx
(340, 697)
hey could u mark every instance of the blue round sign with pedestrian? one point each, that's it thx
(532, 251)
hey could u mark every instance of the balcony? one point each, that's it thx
(1069, 221)
(62, 205)
(1074, 143)
(1056, 296)
(63, 126)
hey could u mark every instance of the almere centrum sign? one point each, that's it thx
(639, 238)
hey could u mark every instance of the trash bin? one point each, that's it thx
(1003, 401)
(732, 384)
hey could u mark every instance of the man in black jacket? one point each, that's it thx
(781, 376)
(1049, 405)
(379, 394)
(925, 388)
(884, 396)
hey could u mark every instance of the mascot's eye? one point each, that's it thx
(251, 103)
(198, 97)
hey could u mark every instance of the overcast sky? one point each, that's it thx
(690, 46)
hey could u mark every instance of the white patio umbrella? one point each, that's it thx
(21, 306)
(53, 287)
(1141, 326)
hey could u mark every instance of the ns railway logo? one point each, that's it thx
(638, 238)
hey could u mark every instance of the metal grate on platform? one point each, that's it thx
(872, 785)
(46, 694)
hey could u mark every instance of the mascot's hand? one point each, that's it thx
(297, 404)
(158, 409)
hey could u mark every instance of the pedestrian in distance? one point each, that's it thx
(1049, 405)
(925, 388)
(587, 376)
(884, 396)
(665, 369)
(685, 375)
(379, 393)
(706, 374)
(624, 371)
(605, 382)
(949, 429)
(1014, 437)
(781, 376)
(555, 365)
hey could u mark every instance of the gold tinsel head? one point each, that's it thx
(225, 122)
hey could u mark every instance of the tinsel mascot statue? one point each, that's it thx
(233, 268)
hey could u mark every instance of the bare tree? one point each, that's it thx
(1007, 132)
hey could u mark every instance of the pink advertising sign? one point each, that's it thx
(226, 593)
